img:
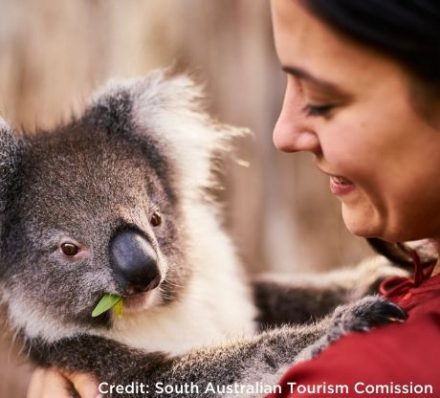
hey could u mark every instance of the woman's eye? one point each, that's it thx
(318, 110)
(156, 219)
(69, 249)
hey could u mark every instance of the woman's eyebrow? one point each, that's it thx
(303, 74)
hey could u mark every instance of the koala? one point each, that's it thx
(117, 201)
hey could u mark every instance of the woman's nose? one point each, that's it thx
(293, 131)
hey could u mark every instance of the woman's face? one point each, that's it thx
(351, 108)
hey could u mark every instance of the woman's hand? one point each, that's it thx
(50, 383)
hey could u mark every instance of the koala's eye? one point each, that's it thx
(69, 249)
(156, 219)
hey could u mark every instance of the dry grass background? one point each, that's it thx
(54, 53)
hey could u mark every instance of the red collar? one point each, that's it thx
(400, 288)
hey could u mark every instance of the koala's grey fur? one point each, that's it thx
(141, 146)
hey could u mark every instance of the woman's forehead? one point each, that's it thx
(305, 43)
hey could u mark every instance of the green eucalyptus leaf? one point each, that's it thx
(119, 308)
(107, 302)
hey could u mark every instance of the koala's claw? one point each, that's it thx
(394, 313)
(363, 315)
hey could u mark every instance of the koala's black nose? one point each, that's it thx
(134, 261)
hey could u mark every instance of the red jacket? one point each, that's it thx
(397, 360)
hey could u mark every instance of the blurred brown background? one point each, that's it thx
(54, 53)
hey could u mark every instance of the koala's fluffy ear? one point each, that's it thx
(169, 109)
(9, 155)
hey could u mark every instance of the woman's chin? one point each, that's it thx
(362, 222)
(372, 226)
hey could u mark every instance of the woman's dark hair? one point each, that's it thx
(406, 30)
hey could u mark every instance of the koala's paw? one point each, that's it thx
(360, 316)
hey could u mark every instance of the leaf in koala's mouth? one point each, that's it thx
(107, 302)
(119, 308)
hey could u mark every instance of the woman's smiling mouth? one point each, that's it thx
(340, 185)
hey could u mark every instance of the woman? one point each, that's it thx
(363, 95)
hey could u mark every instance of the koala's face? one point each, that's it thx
(95, 208)
(95, 216)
